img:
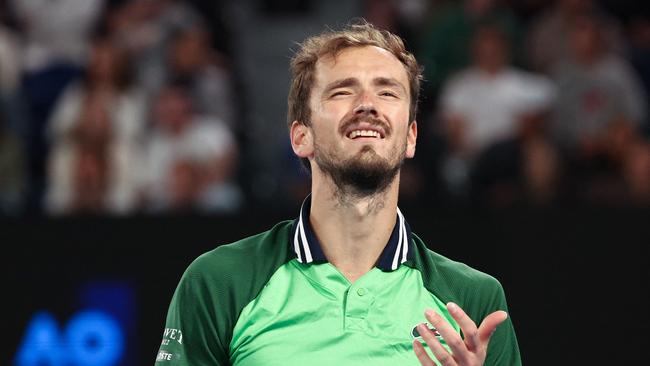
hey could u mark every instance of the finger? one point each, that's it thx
(449, 334)
(441, 354)
(421, 354)
(490, 324)
(466, 324)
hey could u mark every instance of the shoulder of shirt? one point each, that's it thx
(245, 258)
(218, 284)
(454, 281)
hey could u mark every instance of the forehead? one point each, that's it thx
(364, 63)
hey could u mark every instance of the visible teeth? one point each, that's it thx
(363, 133)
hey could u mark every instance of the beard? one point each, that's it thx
(363, 175)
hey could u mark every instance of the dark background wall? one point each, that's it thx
(577, 280)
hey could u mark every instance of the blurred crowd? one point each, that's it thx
(118, 107)
(115, 107)
(531, 102)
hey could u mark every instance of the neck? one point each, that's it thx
(352, 230)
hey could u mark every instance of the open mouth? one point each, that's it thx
(356, 134)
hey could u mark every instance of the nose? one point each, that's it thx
(366, 106)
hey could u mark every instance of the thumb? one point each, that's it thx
(490, 324)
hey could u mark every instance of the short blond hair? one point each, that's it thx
(358, 33)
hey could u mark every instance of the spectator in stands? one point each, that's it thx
(548, 43)
(190, 159)
(192, 61)
(12, 178)
(636, 173)
(56, 31)
(95, 134)
(90, 176)
(405, 18)
(446, 43)
(493, 115)
(10, 60)
(12, 159)
(145, 29)
(56, 41)
(599, 109)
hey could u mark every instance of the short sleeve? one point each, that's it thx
(503, 349)
(191, 335)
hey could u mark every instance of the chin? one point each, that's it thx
(367, 151)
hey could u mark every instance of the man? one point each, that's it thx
(494, 115)
(346, 282)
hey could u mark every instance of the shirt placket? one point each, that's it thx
(357, 304)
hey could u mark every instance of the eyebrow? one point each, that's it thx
(390, 82)
(342, 83)
(351, 82)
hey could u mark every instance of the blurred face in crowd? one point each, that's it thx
(586, 40)
(106, 63)
(490, 50)
(139, 11)
(190, 50)
(360, 127)
(90, 178)
(575, 6)
(184, 184)
(173, 110)
(479, 6)
(95, 122)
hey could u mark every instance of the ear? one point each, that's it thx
(411, 137)
(302, 140)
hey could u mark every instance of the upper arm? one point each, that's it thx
(503, 349)
(193, 335)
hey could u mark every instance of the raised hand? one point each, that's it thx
(470, 351)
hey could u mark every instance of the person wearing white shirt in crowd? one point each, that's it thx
(99, 118)
(190, 158)
(598, 117)
(56, 30)
(492, 115)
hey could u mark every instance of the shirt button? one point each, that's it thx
(361, 291)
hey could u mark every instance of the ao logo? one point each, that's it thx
(91, 338)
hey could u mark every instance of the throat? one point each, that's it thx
(353, 234)
(360, 206)
(352, 274)
(354, 259)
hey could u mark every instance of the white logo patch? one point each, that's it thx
(416, 335)
(164, 356)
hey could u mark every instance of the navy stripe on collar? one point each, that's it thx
(307, 248)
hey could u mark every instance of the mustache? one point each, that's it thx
(367, 118)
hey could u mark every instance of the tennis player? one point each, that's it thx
(346, 282)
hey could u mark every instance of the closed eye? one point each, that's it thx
(340, 93)
(388, 94)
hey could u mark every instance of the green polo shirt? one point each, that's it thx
(273, 299)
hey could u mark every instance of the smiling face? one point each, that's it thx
(359, 133)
